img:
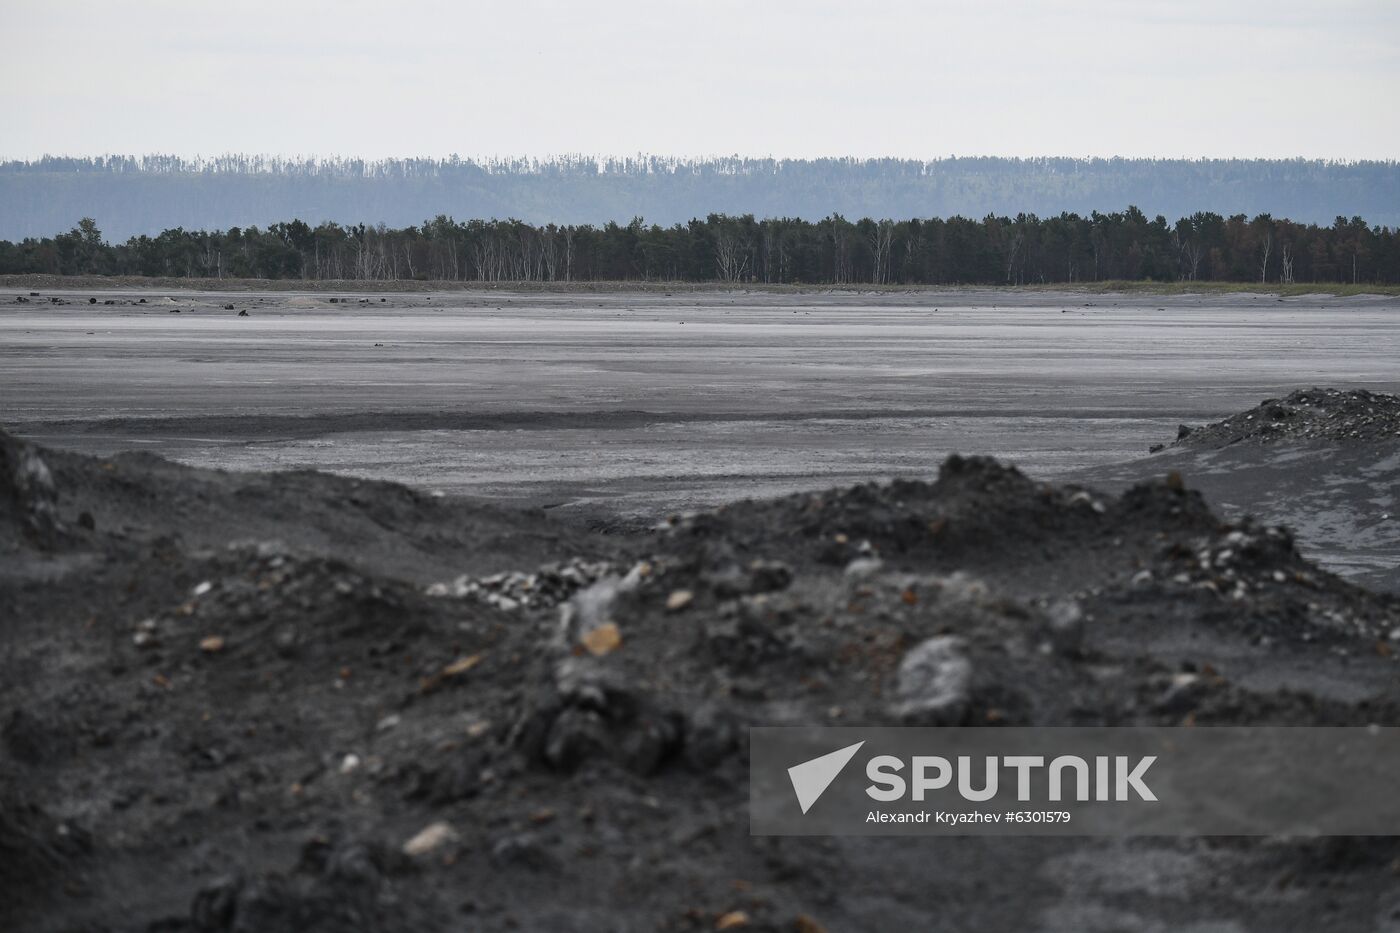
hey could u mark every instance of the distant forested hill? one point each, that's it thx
(144, 195)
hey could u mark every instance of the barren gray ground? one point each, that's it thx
(638, 398)
(633, 404)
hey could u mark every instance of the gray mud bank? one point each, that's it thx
(640, 403)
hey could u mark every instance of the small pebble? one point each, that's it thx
(430, 839)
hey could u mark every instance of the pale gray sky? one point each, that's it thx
(1242, 78)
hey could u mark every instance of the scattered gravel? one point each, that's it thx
(546, 588)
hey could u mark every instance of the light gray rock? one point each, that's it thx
(934, 682)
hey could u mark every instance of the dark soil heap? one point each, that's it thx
(27, 495)
(1335, 415)
(238, 703)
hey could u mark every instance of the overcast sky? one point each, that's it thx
(759, 77)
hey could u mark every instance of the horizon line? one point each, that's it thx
(606, 158)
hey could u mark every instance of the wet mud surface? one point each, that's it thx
(639, 404)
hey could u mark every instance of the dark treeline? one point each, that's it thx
(993, 251)
(132, 195)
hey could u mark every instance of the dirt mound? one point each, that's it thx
(979, 516)
(28, 495)
(256, 678)
(134, 498)
(1307, 414)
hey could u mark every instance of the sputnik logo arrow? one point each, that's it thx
(811, 778)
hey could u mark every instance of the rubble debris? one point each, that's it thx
(545, 588)
(1336, 415)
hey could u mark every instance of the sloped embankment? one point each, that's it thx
(300, 702)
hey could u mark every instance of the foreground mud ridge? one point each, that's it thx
(263, 702)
